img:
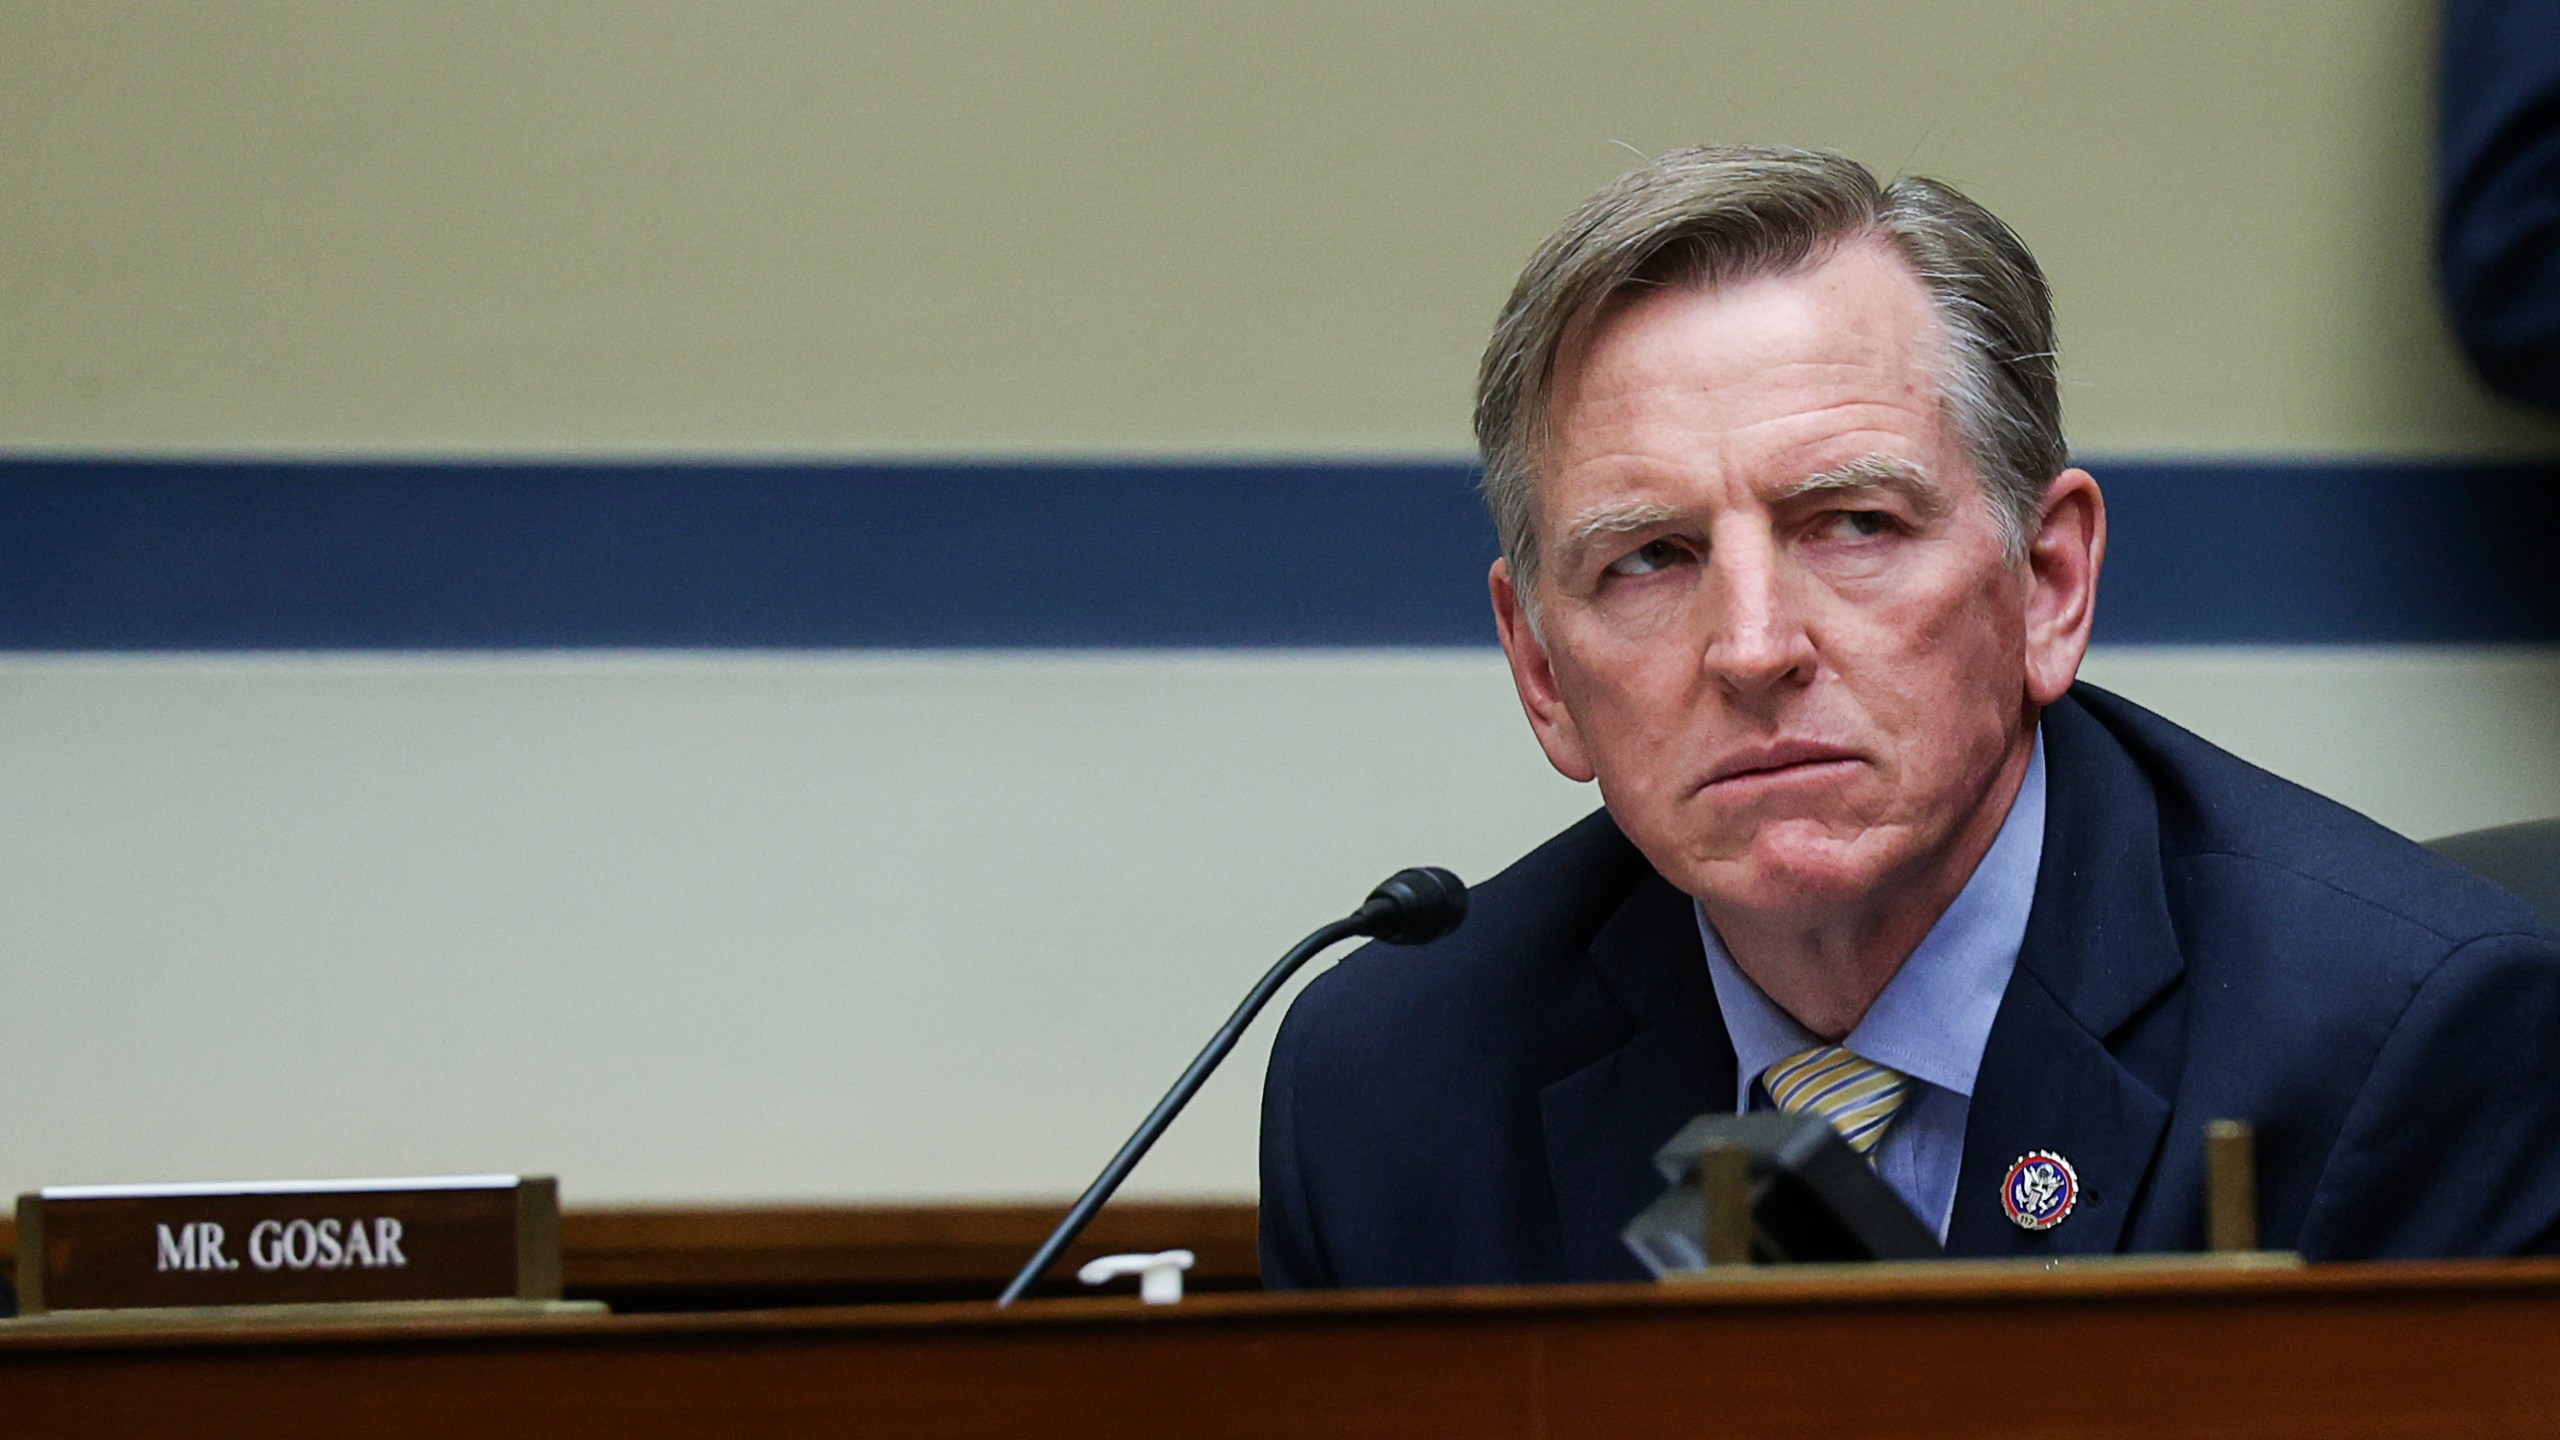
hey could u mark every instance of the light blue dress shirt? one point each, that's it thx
(1933, 1017)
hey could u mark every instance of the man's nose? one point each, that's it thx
(1756, 639)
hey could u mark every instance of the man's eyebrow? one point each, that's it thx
(1615, 519)
(1869, 473)
(1866, 474)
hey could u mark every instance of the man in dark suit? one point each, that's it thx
(1796, 568)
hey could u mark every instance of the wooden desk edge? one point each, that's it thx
(1962, 1286)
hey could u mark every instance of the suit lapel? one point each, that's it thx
(2099, 949)
(2047, 1083)
(1604, 1119)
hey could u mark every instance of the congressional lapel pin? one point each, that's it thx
(2039, 1190)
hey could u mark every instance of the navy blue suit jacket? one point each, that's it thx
(2207, 942)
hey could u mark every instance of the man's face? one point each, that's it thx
(1777, 622)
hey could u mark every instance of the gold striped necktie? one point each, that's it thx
(1858, 1096)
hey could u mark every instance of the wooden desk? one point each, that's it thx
(762, 1256)
(2442, 1349)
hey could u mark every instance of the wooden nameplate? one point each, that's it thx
(371, 1243)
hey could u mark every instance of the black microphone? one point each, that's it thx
(1409, 907)
(1413, 907)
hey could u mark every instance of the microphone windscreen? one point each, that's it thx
(1413, 907)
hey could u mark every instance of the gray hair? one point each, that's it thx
(1715, 214)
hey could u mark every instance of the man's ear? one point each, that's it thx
(1535, 679)
(2063, 556)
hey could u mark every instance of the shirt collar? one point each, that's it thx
(1934, 1016)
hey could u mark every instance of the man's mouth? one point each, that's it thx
(1779, 762)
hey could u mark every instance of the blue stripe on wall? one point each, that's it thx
(226, 555)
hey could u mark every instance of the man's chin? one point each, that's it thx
(1779, 879)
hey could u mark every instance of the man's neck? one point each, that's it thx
(1827, 970)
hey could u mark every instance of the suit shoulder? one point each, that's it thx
(2218, 811)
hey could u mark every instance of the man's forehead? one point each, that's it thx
(1857, 303)
(1772, 379)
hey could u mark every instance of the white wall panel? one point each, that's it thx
(841, 926)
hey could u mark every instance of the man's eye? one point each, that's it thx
(1645, 559)
(1866, 524)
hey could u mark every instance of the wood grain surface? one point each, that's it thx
(2345, 1351)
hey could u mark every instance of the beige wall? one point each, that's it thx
(1131, 226)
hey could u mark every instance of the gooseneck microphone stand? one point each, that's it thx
(1411, 907)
